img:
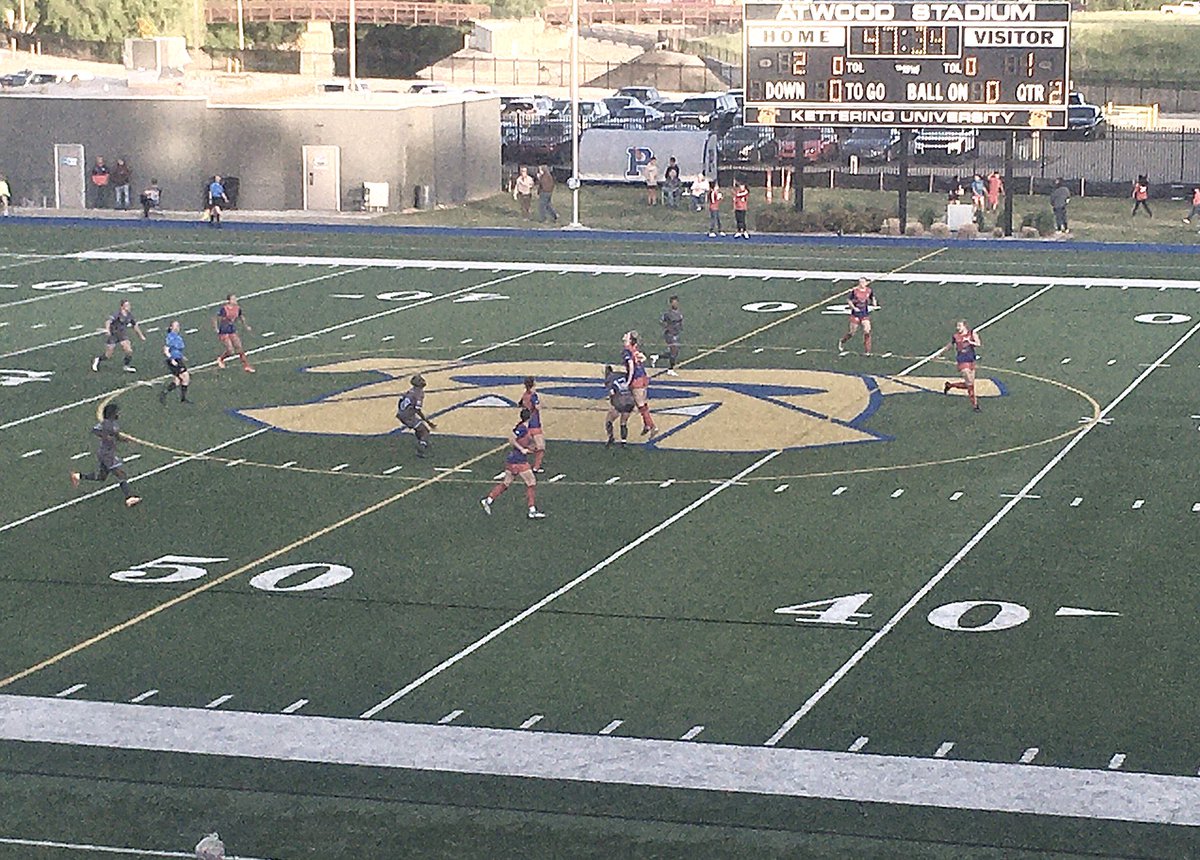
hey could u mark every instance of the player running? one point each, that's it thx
(965, 341)
(620, 403)
(672, 326)
(109, 434)
(176, 364)
(862, 302)
(537, 439)
(516, 464)
(408, 410)
(117, 329)
(225, 323)
(637, 380)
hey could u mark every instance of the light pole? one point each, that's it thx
(353, 48)
(576, 119)
(241, 28)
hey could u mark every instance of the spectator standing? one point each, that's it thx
(700, 191)
(99, 178)
(1059, 198)
(995, 189)
(650, 174)
(151, 198)
(216, 196)
(672, 186)
(523, 192)
(1195, 210)
(1141, 196)
(714, 209)
(978, 191)
(545, 186)
(120, 179)
(5, 194)
(741, 205)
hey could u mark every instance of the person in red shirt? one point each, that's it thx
(741, 204)
(714, 210)
(226, 322)
(862, 302)
(531, 403)
(1141, 196)
(964, 341)
(1195, 210)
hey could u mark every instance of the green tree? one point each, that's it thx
(114, 20)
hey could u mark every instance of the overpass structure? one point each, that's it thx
(408, 12)
(689, 12)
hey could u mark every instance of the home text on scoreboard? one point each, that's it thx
(908, 65)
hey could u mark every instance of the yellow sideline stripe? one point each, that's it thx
(200, 589)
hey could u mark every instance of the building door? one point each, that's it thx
(69, 182)
(323, 178)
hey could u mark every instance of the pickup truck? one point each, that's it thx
(1183, 7)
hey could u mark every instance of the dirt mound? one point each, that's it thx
(666, 70)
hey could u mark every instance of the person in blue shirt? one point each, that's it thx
(216, 196)
(176, 363)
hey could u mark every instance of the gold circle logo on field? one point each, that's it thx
(725, 410)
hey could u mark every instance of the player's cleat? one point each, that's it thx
(535, 514)
(220, 362)
(976, 407)
(185, 400)
(653, 431)
(132, 500)
(162, 397)
(646, 430)
(624, 443)
(539, 471)
(74, 479)
(487, 505)
(712, 235)
(129, 368)
(248, 368)
(96, 364)
(610, 442)
(841, 348)
(672, 372)
(945, 388)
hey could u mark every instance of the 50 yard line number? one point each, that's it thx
(186, 568)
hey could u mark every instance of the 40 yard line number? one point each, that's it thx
(987, 616)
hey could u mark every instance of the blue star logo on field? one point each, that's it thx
(726, 410)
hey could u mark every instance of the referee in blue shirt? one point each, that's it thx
(177, 364)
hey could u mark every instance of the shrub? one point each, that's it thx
(940, 230)
(914, 228)
(891, 226)
(1044, 222)
(997, 232)
(1029, 233)
(968, 231)
(836, 219)
(927, 217)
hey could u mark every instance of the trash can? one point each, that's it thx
(422, 197)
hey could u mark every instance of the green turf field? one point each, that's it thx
(826, 612)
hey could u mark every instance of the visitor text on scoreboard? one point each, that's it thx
(907, 65)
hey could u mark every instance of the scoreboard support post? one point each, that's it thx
(798, 174)
(902, 203)
(1010, 140)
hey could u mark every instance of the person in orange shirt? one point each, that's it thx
(861, 302)
(226, 322)
(741, 205)
(1141, 196)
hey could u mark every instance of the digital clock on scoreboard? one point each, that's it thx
(907, 65)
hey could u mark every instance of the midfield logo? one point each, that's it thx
(701, 410)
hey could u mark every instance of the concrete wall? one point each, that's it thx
(453, 148)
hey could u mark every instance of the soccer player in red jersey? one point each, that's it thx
(637, 380)
(516, 465)
(862, 302)
(225, 322)
(537, 439)
(964, 340)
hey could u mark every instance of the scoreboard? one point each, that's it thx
(907, 65)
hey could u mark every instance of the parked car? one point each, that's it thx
(945, 142)
(646, 95)
(16, 79)
(1084, 122)
(545, 142)
(1183, 7)
(525, 105)
(428, 87)
(617, 103)
(669, 109)
(715, 111)
(872, 144)
(744, 144)
(634, 116)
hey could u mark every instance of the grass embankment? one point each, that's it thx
(624, 208)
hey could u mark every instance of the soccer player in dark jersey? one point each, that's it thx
(672, 325)
(516, 465)
(964, 341)
(537, 438)
(109, 433)
(116, 332)
(176, 364)
(226, 322)
(862, 302)
(620, 404)
(408, 410)
(637, 380)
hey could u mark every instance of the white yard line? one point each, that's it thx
(106, 849)
(111, 486)
(559, 592)
(1003, 279)
(1094, 794)
(979, 327)
(900, 614)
